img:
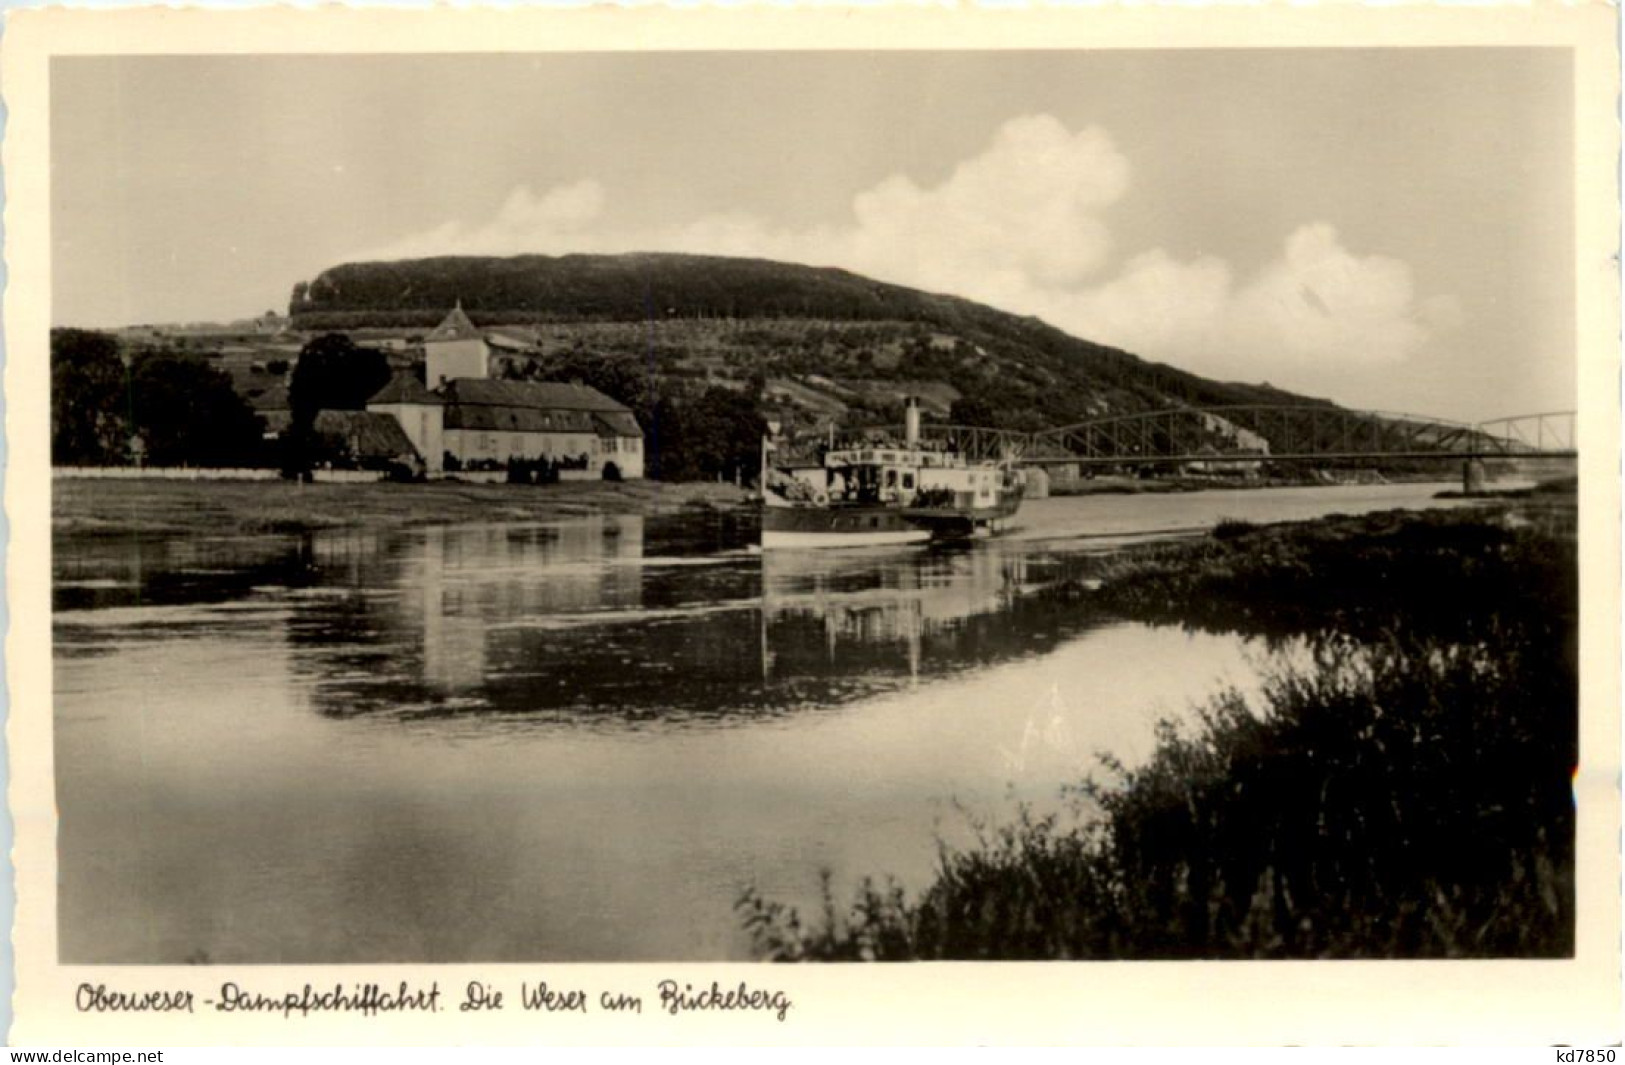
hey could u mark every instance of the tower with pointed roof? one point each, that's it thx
(455, 348)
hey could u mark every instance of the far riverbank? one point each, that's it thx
(1123, 484)
(95, 508)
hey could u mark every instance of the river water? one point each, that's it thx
(578, 741)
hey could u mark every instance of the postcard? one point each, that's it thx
(1089, 525)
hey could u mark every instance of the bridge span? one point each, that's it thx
(1257, 434)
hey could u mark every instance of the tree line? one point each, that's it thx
(167, 407)
(157, 407)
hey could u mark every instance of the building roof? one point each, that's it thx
(535, 407)
(455, 326)
(547, 395)
(404, 388)
(366, 434)
(518, 419)
(615, 424)
(489, 418)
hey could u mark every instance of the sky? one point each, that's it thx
(1392, 229)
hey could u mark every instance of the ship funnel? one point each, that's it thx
(911, 422)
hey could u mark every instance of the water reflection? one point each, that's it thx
(584, 620)
(664, 620)
(566, 741)
(462, 582)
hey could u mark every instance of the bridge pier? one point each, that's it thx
(1472, 476)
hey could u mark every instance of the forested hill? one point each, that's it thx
(825, 338)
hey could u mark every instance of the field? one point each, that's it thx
(113, 508)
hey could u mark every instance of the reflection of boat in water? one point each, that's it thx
(844, 618)
(883, 493)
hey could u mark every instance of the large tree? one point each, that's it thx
(89, 401)
(187, 414)
(721, 435)
(334, 374)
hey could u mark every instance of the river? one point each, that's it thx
(582, 740)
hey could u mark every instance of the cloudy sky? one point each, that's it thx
(1391, 229)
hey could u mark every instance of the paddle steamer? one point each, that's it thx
(878, 493)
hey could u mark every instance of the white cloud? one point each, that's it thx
(1026, 210)
(524, 223)
(1155, 304)
(1318, 301)
(1316, 307)
(1028, 206)
(1021, 226)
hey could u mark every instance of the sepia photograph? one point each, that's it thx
(705, 505)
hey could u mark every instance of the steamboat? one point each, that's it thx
(878, 493)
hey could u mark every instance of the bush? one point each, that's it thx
(1391, 802)
(402, 473)
(612, 472)
(540, 470)
(1230, 528)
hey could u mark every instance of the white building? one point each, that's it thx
(482, 423)
(494, 421)
(420, 413)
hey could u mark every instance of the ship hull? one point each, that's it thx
(875, 526)
(791, 540)
(800, 527)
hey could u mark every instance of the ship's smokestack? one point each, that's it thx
(911, 422)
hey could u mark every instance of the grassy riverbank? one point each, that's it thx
(110, 507)
(1402, 789)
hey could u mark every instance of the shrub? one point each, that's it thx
(540, 470)
(403, 473)
(1393, 801)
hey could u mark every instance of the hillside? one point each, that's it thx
(828, 343)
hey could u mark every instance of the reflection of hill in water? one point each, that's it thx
(591, 618)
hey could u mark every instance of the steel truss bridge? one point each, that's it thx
(1261, 433)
